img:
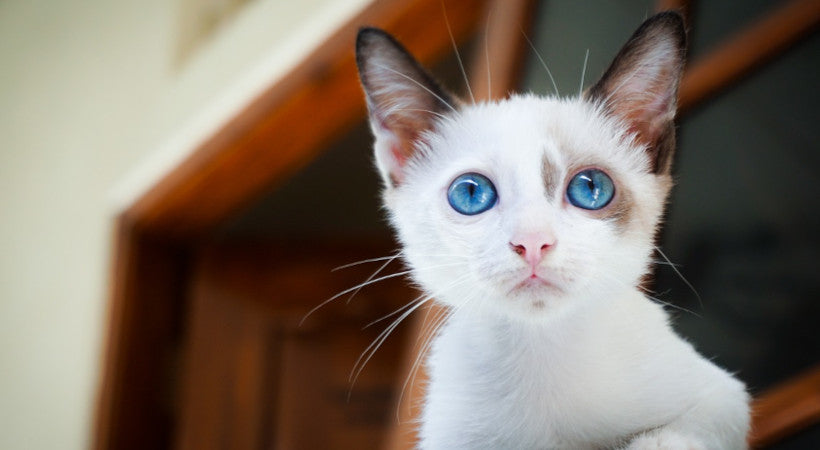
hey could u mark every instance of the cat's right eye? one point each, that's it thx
(471, 194)
(590, 189)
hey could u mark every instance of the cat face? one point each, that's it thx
(532, 248)
(526, 205)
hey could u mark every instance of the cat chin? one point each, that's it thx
(537, 310)
(531, 301)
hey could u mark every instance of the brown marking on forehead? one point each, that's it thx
(551, 176)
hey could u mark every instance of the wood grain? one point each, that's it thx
(257, 377)
(747, 50)
(786, 409)
(135, 400)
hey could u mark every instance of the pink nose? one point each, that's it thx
(532, 247)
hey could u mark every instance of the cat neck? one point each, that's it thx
(555, 322)
(549, 347)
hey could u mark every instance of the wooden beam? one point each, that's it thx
(502, 44)
(290, 123)
(750, 48)
(786, 409)
(134, 404)
(501, 53)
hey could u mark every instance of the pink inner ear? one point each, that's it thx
(396, 162)
(398, 155)
(646, 106)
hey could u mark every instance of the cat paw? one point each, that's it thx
(664, 440)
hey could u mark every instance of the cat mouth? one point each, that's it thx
(535, 282)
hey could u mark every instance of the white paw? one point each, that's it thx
(664, 440)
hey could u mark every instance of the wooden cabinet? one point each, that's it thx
(255, 376)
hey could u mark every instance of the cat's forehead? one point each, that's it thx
(527, 127)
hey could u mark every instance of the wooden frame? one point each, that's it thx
(257, 374)
(747, 50)
(786, 409)
(155, 236)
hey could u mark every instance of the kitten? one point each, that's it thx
(533, 219)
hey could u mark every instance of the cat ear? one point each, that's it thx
(641, 85)
(403, 100)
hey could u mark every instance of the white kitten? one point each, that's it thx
(533, 220)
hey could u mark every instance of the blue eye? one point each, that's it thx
(590, 189)
(471, 194)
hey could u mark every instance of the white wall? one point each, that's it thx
(90, 99)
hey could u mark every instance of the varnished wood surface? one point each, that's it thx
(256, 376)
(786, 409)
(135, 400)
(747, 50)
(503, 47)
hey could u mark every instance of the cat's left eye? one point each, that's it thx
(590, 189)
(472, 194)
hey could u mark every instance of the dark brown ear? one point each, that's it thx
(403, 99)
(641, 85)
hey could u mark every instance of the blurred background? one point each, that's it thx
(90, 92)
(101, 101)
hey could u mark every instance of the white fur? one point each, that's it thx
(591, 363)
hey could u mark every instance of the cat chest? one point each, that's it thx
(528, 397)
(514, 410)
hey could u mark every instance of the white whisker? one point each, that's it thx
(367, 281)
(674, 267)
(487, 56)
(583, 74)
(415, 304)
(435, 326)
(672, 305)
(410, 380)
(397, 311)
(455, 49)
(646, 293)
(371, 349)
(664, 263)
(365, 261)
(354, 288)
(544, 64)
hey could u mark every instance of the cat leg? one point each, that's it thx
(718, 421)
